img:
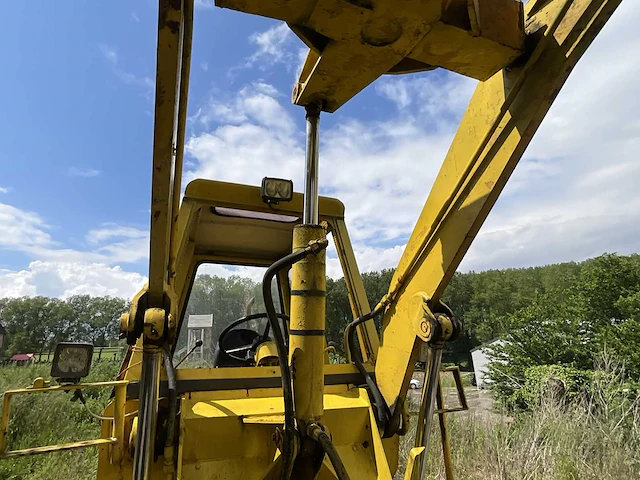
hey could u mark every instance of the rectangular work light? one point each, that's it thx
(275, 190)
(71, 361)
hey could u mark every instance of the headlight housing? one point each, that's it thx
(275, 190)
(71, 361)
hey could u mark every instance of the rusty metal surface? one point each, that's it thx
(354, 42)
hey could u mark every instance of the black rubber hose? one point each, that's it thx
(382, 415)
(283, 355)
(330, 449)
(172, 396)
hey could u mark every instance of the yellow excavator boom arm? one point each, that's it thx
(503, 115)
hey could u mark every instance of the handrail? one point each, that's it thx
(117, 431)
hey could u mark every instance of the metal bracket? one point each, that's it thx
(462, 399)
(433, 325)
(154, 323)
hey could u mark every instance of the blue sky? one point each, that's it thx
(77, 99)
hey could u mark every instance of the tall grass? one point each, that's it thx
(597, 437)
(46, 419)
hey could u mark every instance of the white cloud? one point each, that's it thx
(4, 189)
(147, 84)
(204, 4)
(109, 53)
(135, 17)
(118, 244)
(273, 46)
(22, 230)
(431, 94)
(84, 172)
(27, 233)
(300, 58)
(112, 230)
(204, 66)
(225, 271)
(64, 271)
(253, 136)
(271, 43)
(574, 194)
(64, 279)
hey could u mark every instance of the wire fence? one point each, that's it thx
(100, 354)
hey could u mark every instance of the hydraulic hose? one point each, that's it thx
(382, 415)
(172, 399)
(283, 355)
(317, 433)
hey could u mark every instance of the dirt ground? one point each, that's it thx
(480, 402)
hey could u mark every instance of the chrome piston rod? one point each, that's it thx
(425, 418)
(148, 409)
(310, 210)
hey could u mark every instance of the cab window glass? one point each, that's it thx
(221, 294)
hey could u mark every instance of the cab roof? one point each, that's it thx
(231, 223)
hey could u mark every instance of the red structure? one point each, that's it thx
(23, 358)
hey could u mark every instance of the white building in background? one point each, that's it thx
(480, 359)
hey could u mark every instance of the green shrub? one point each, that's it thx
(559, 383)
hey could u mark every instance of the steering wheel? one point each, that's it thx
(235, 344)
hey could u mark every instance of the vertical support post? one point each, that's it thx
(118, 423)
(310, 210)
(148, 413)
(306, 332)
(4, 427)
(444, 433)
(429, 390)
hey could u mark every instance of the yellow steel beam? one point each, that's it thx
(66, 388)
(170, 88)
(4, 427)
(117, 452)
(444, 432)
(414, 453)
(501, 119)
(367, 334)
(354, 42)
(58, 448)
(185, 66)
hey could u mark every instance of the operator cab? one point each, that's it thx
(237, 231)
(225, 322)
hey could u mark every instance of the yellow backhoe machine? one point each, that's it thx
(272, 406)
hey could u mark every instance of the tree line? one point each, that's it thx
(562, 313)
(37, 324)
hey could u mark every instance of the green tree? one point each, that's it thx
(338, 312)
(36, 324)
(98, 318)
(225, 298)
(603, 281)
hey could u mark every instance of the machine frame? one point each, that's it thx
(226, 422)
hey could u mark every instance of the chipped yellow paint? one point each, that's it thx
(352, 43)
